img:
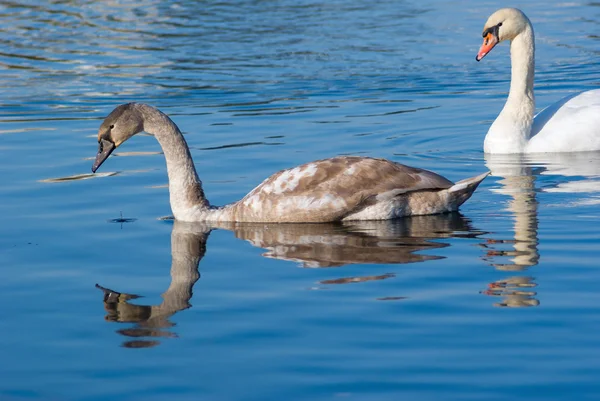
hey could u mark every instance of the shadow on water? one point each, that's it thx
(579, 172)
(310, 245)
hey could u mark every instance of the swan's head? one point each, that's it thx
(504, 24)
(121, 124)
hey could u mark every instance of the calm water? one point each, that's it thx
(498, 302)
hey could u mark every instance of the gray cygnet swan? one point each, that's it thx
(336, 189)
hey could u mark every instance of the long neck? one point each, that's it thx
(522, 56)
(518, 182)
(188, 246)
(185, 188)
(520, 104)
(512, 128)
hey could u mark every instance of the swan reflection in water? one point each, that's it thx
(579, 174)
(309, 245)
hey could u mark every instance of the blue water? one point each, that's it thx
(498, 302)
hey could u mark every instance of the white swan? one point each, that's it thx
(570, 125)
(336, 189)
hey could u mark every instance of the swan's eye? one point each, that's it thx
(493, 30)
(112, 126)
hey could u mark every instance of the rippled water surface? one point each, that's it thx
(103, 299)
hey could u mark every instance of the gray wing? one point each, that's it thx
(327, 190)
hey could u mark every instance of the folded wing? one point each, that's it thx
(328, 190)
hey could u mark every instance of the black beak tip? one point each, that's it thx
(105, 148)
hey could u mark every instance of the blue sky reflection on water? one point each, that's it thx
(497, 302)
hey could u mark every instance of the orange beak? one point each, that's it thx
(489, 41)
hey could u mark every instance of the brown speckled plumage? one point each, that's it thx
(336, 189)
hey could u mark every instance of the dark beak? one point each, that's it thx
(105, 148)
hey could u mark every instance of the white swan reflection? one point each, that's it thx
(309, 245)
(522, 180)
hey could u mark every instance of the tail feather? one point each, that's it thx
(463, 189)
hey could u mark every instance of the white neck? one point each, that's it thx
(185, 188)
(511, 130)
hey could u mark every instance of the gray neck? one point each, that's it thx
(188, 246)
(185, 188)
